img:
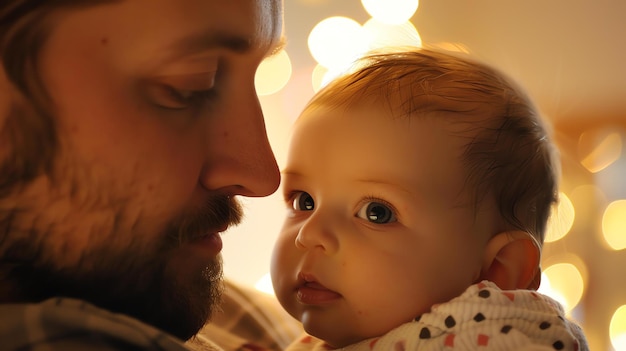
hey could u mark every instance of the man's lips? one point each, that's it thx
(210, 243)
(311, 292)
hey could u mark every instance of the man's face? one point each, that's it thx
(159, 127)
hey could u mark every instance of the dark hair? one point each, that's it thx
(28, 135)
(24, 26)
(509, 155)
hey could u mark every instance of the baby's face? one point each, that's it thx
(379, 226)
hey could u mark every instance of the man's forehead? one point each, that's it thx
(242, 27)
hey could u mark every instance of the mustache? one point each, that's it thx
(217, 212)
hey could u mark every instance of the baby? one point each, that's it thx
(418, 190)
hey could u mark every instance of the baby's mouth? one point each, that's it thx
(311, 292)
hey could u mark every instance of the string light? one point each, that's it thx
(614, 226)
(561, 219)
(391, 11)
(273, 73)
(336, 42)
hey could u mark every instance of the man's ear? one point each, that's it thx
(512, 261)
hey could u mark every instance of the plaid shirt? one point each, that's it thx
(250, 321)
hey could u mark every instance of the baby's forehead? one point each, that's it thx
(406, 96)
(434, 164)
(463, 119)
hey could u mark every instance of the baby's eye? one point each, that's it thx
(377, 212)
(303, 202)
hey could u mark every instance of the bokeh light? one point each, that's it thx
(336, 42)
(319, 77)
(273, 73)
(561, 219)
(379, 34)
(614, 225)
(322, 76)
(617, 328)
(564, 283)
(598, 149)
(589, 200)
(391, 11)
(265, 285)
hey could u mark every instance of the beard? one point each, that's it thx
(139, 282)
(141, 279)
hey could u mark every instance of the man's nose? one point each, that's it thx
(239, 159)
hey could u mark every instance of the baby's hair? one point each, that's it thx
(508, 155)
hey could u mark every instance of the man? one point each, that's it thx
(127, 128)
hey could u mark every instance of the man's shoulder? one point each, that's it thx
(249, 317)
(70, 324)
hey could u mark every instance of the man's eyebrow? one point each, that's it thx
(197, 43)
(214, 40)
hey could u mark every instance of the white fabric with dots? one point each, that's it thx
(482, 318)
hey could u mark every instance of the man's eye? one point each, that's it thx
(178, 99)
(179, 92)
(303, 202)
(377, 212)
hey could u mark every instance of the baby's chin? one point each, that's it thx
(336, 340)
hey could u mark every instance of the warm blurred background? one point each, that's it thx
(569, 54)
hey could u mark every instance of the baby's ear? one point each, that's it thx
(512, 261)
